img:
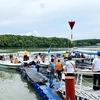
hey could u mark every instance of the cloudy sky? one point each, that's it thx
(49, 18)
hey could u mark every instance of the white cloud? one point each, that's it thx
(34, 33)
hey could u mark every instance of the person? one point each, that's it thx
(39, 57)
(43, 59)
(69, 67)
(25, 55)
(35, 58)
(58, 69)
(51, 74)
(77, 54)
(96, 69)
(38, 66)
(82, 55)
(66, 55)
(16, 61)
(11, 58)
(73, 54)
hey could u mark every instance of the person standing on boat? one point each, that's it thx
(58, 69)
(25, 55)
(39, 57)
(69, 67)
(38, 66)
(51, 74)
(96, 68)
(66, 55)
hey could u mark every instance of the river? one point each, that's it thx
(14, 87)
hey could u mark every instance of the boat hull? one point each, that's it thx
(5, 64)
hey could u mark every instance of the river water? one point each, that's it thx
(14, 87)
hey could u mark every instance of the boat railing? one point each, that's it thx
(80, 79)
(84, 88)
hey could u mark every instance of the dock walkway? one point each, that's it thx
(43, 90)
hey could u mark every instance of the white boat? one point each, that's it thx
(6, 63)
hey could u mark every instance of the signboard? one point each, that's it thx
(71, 24)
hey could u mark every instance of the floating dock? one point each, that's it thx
(41, 85)
(42, 89)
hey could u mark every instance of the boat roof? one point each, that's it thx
(86, 52)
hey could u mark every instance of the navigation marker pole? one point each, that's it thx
(71, 24)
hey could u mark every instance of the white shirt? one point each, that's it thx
(39, 59)
(70, 66)
(96, 63)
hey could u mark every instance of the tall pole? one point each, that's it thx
(71, 36)
(71, 24)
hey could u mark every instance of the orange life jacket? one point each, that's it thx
(58, 66)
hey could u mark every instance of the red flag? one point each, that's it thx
(71, 23)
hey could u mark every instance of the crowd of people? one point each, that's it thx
(74, 55)
(95, 67)
(58, 68)
(69, 69)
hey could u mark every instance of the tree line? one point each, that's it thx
(87, 42)
(32, 41)
(15, 41)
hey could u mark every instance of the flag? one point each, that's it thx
(49, 49)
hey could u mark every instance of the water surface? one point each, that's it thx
(14, 87)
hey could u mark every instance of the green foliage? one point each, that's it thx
(86, 42)
(31, 41)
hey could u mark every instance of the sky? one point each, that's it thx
(49, 18)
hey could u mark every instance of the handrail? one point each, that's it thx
(86, 72)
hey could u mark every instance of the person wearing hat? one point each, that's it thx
(69, 67)
(96, 69)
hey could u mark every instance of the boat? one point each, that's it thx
(6, 63)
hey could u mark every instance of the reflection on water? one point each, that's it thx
(14, 87)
